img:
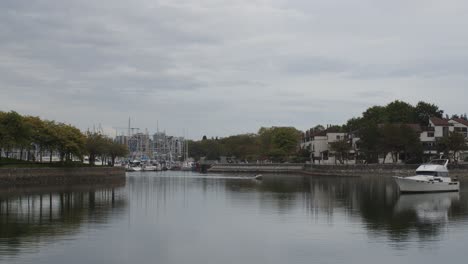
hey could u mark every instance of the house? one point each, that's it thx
(319, 144)
(319, 141)
(460, 126)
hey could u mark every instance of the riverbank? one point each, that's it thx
(60, 176)
(459, 170)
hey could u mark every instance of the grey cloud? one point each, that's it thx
(226, 66)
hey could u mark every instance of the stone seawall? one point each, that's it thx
(255, 168)
(460, 170)
(60, 176)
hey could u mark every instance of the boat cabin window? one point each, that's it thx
(433, 173)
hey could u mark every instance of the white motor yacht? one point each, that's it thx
(430, 177)
(150, 168)
(133, 168)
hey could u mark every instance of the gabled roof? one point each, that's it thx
(461, 121)
(440, 121)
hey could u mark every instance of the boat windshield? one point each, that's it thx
(433, 173)
(430, 173)
(438, 162)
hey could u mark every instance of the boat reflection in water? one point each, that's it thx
(429, 208)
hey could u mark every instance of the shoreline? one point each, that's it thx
(458, 170)
(60, 176)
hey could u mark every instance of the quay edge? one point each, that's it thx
(60, 176)
(456, 170)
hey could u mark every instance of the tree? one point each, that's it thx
(412, 146)
(278, 143)
(354, 124)
(15, 133)
(370, 143)
(424, 111)
(400, 112)
(318, 128)
(454, 142)
(70, 142)
(116, 150)
(375, 115)
(341, 149)
(391, 141)
(303, 155)
(95, 145)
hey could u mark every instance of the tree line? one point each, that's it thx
(394, 130)
(277, 144)
(31, 135)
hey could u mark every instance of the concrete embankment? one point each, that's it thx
(60, 176)
(460, 170)
(257, 168)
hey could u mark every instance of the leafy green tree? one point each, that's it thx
(369, 143)
(354, 124)
(115, 150)
(95, 145)
(412, 146)
(391, 141)
(424, 111)
(303, 155)
(400, 140)
(341, 149)
(452, 144)
(278, 143)
(318, 128)
(15, 132)
(399, 112)
(70, 142)
(375, 115)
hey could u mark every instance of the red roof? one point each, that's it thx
(439, 121)
(461, 121)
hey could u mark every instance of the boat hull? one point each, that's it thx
(133, 169)
(414, 186)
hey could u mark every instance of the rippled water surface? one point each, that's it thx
(183, 217)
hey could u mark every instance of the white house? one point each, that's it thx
(319, 144)
(319, 141)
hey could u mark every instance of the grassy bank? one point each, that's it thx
(14, 163)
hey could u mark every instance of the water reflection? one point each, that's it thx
(179, 217)
(373, 200)
(33, 217)
(428, 208)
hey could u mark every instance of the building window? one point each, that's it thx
(445, 131)
(338, 137)
(430, 134)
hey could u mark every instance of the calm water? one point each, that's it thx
(180, 217)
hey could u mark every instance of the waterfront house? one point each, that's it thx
(319, 141)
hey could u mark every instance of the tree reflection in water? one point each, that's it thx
(30, 218)
(375, 200)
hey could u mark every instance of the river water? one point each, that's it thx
(185, 217)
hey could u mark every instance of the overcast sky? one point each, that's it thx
(226, 67)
